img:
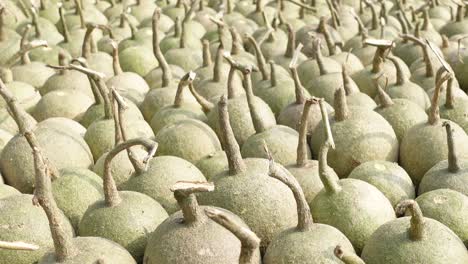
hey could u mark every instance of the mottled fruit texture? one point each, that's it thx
(171, 114)
(402, 116)
(457, 114)
(91, 250)
(158, 98)
(281, 141)
(121, 167)
(390, 244)
(163, 172)
(69, 195)
(240, 119)
(20, 220)
(127, 223)
(357, 210)
(309, 247)
(176, 242)
(62, 103)
(448, 207)
(291, 116)
(362, 137)
(254, 193)
(65, 124)
(388, 177)
(439, 177)
(213, 164)
(425, 145)
(64, 151)
(178, 140)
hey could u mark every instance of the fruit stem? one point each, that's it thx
(79, 12)
(184, 193)
(319, 57)
(348, 87)
(384, 98)
(299, 89)
(206, 53)
(347, 257)
(259, 7)
(272, 73)
(453, 165)
(417, 223)
(291, 42)
(331, 185)
(322, 28)
(183, 35)
(187, 79)
(18, 245)
(260, 58)
(98, 98)
(63, 22)
(43, 196)
(304, 221)
(206, 105)
(340, 105)
(35, 23)
(302, 145)
(166, 71)
(401, 79)
(86, 48)
(217, 68)
(257, 120)
(235, 161)
(115, 58)
(382, 47)
(426, 20)
(177, 27)
(375, 19)
(236, 41)
(250, 242)
(460, 13)
(24, 39)
(2, 23)
(6, 75)
(434, 115)
(404, 26)
(449, 97)
(111, 193)
(230, 82)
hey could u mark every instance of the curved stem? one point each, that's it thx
(166, 71)
(400, 76)
(235, 161)
(417, 223)
(250, 242)
(299, 89)
(63, 22)
(111, 194)
(382, 47)
(63, 244)
(184, 193)
(98, 98)
(319, 57)
(348, 87)
(453, 165)
(79, 12)
(206, 53)
(340, 105)
(217, 68)
(434, 115)
(23, 42)
(291, 42)
(305, 221)
(177, 27)
(35, 23)
(115, 58)
(347, 257)
(183, 35)
(260, 58)
(187, 79)
(272, 73)
(322, 28)
(330, 184)
(302, 145)
(404, 26)
(206, 105)
(384, 98)
(257, 120)
(236, 42)
(449, 97)
(86, 48)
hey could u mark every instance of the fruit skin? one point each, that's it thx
(254, 193)
(177, 140)
(205, 242)
(388, 177)
(364, 136)
(425, 145)
(439, 177)
(163, 172)
(390, 244)
(213, 164)
(314, 244)
(22, 221)
(239, 117)
(92, 249)
(7, 190)
(35, 73)
(66, 150)
(62, 103)
(402, 115)
(353, 210)
(171, 114)
(25, 93)
(69, 195)
(448, 207)
(127, 224)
